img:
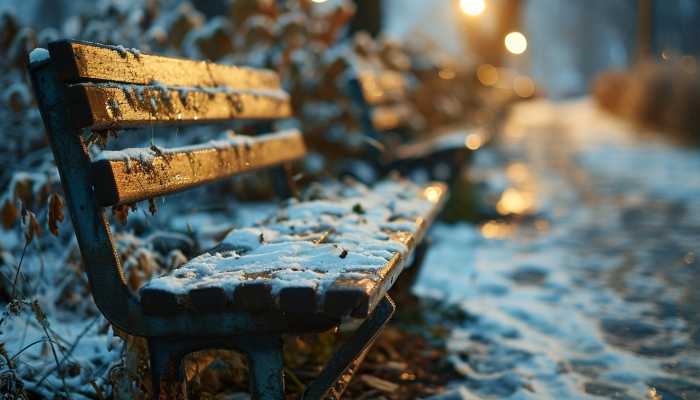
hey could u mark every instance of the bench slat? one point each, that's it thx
(385, 118)
(108, 106)
(134, 175)
(253, 297)
(358, 298)
(384, 87)
(77, 61)
(298, 299)
(453, 139)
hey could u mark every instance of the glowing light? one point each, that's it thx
(517, 172)
(516, 42)
(447, 74)
(472, 7)
(432, 193)
(473, 141)
(319, 1)
(514, 201)
(487, 74)
(523, 86)
(495, 230)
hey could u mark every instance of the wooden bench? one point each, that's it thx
(382, 100)
(325, 257)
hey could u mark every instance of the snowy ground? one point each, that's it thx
(593, 291)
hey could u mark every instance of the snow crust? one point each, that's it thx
(38, 55)
(341, 229)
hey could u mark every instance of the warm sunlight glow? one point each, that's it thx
(516, 42)
(473, 141)
(447, 74)
(524, 86)
(432, 193)
(514, 201)
(472, 7)
(517, 172)
(487, 74)
(495, 230)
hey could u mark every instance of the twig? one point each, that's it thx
(19, 267)
(295, 380)
(67, 354)
(29, 346)
(40, 250)
(42, 319)
(97, 389)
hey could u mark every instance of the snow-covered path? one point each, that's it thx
(594, 291)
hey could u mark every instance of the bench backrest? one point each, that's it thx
(82, 85)
(382, 97)
(111, 88)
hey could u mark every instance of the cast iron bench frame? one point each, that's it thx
(70, 91)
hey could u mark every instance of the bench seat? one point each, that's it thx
(334, 252)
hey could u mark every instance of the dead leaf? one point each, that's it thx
(31, 226)
(55, 212)
(9, 214)
(121, 213)
(39, 314)
(24, 191)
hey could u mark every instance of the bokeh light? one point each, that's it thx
(472, 7)
(432, 194)
(523, 86)
(473, 141)
(516, 42)
(487, 74)
(514, 201)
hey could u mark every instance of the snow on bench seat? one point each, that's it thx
(334, 252)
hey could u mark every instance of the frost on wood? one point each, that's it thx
(346, 231)
(134, 105)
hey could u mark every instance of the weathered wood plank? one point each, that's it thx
(298, 299)
(382, 87)
(358, 297)
(77, 61)
(254, 297)
(138, 174)
(209, 299)
(160, 302)
(457, 139)
(108, 106)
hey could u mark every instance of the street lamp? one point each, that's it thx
(472, 7)
(516, 42)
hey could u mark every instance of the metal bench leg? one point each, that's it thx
(266, 368)
(337, 373)
(166, 367)
(401, 291)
